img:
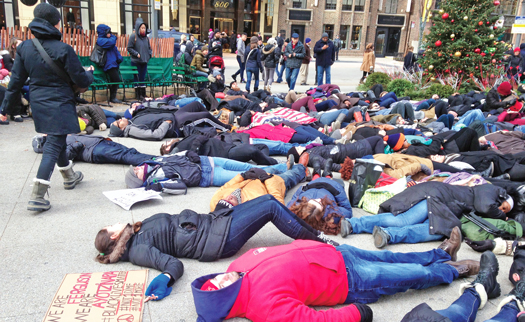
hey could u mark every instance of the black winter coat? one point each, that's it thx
(52, 99)
(339, 152)
(423, 313)
(409, 61)
(447, 203)
(139, 45)
(481, 160)
(495, 100)
(185, 168)
(205, 144)
(164, 237)
(239, 106)
(80, 147)
(270, 56)
(92, 113)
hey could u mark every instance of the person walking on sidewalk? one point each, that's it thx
(241, 47)
(282, 62)
(324, 49)
(306, 62)
(294, 53)
(271, 54)
(369, 62)
(52, 98)
(252, 57)
(337, 46)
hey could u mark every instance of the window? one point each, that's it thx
(507, 7)
(343, 35)
(329, 29)
(8, 13)
(299, 4)
(360, 5)
(391, 6)
(438, 4)
(355, 40)
(77, 14)
(347, 5)
(331, 4)
(131, 10)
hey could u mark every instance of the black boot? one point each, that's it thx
(328, 168)
(486, 284)
(113, 97)
(137, 93)
(316, 164)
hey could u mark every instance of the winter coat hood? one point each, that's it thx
(522, 49)
(42, 29)
(268, 49)
(103, 30)
(138, 23)
(221, 300)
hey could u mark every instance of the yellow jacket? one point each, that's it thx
(251, 189)
(400, 165)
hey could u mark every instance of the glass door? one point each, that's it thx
(380, 44)
(394, 35)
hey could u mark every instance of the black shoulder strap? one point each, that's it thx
(488, 227)
(59, 71)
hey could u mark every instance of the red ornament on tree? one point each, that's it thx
(480, 23)
(496, 3)
(483, 54)
(468, 55)
(471, 75)
(488, 22)
(477, 50)
(495, 28)
(447, 70)
(438, 43)
(491, 75)
(493, 61)
(475, 30)
(476, 67)
(452, 20)
(445, 16)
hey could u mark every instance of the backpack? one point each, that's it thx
(477, 229)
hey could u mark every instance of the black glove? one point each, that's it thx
(511, 102)
(426, 170)
(481, 246)
(193, 157)
(366, 312)
(256, 173)
(154, 186)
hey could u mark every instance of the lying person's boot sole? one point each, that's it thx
(380, 237)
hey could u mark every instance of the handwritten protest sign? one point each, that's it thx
(128, 197)
(116, 296)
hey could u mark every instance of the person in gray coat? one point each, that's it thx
(241, 47)
(294, 53)
(140, 51)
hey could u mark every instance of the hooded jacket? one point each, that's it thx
(508, 141)
(174, 167)
(270, 56)
(198, 60)
(279, 283)
(324, 57)
(401, 165)
(52, 99)
(138, 44)
(321, 188)
(338, 153)
(447, 203)
(163, 237)
(150, 126)
(300, 53)
(113, 56)
(80, 147)
(495, 100)
(92, 113)
(252, 57)
(216, 46)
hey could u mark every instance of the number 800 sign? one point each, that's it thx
(221, 4)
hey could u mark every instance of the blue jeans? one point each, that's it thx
(225, 169)
(375, 273)
(142, 68)
(410, 226)
(447, 119)
(276, 147)
(304, 134)
(280, 73)
(251, 216)
(320, 71)
(54, 153)
(200, 73)
(325, 106)
(110, 117)
(426, 104)
(465, 308)
(241, 68)
(291, 77)
(249, 72)
(112, 152)
(293, 176)
(468, 118)
(331, 116)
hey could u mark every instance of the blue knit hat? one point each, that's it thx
(307, 40)
(395, 141)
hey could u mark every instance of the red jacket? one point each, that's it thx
(280, 282)
(270, 132)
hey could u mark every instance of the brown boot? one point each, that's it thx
(303, 159)
(453, 244)
(465, 267)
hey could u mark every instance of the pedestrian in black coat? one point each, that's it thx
(159, 240)
(140, 51)
(52, 98)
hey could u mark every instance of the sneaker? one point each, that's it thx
(290, 162)
(346, 227)
(234, 77)
(336, 125)
(322, 237)
(17, 118)
(317, 140)
(381, 237)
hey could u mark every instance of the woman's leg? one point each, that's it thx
(248, 152)
(251, 216)
(54, 153)
(517, 172)
(291, 97)
(466, 139)
(307, 102)
(441, 108)
(377, 144)
(269, 75)
(415, 215)
(447, 119)
(325, 105)
(315, 134)
(293, 176)
(330, 116)
(256, 83)
(114, 77)
(465, 308)
(411, 234)
(276, 147)
(248, 78)
(508, 313)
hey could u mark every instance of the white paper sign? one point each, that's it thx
(128, 197)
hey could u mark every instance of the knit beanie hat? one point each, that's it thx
(114, 130)
(47, 12)
(132, 181)
(204, 48)
(307, 40)
(254, 40)
(296, 156)
(237, 194)
(209, 286)
(324, 35)
(504, 88)
(223, 204)
(516, 49)
(395, 141)
(271, 41)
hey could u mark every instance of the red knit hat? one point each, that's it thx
(209, 286)
(516, 49)
(504, 88)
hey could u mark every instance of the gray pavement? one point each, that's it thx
(37, 250)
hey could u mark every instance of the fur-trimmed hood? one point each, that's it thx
(268, 49)
(122, 242)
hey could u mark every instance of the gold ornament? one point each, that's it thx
(465, 18)
(430, 15)
(429, 50)
(441, 11)
(430, 67)
(491, 36)
(432, 78)
(452, 36)
(457, 54)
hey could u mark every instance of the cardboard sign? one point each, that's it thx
(128, 197)
(116, 296)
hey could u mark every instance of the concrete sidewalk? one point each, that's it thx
(38, 249)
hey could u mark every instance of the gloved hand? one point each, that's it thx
(193, 157)
(159, 287)
(102, 127)
(366, 312)
(511, 102)
(481, 246)
(154, 186)
(256, 173)
(426, 170)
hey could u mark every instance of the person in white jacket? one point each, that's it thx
(241, 47)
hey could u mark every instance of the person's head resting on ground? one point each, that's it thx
(49, 13)
(396, 141)
(220, 281)
(230, 201)
(507, 205)
(234, 86)
(505, 89)
(204, 50)
(296, 151)
(435, 96)
(307, 40)
(312, 211)
(111, 241)
(324, 37)
(168, 146)
(136, 176)
(117, 128)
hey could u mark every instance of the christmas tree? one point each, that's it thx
(463, 42)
